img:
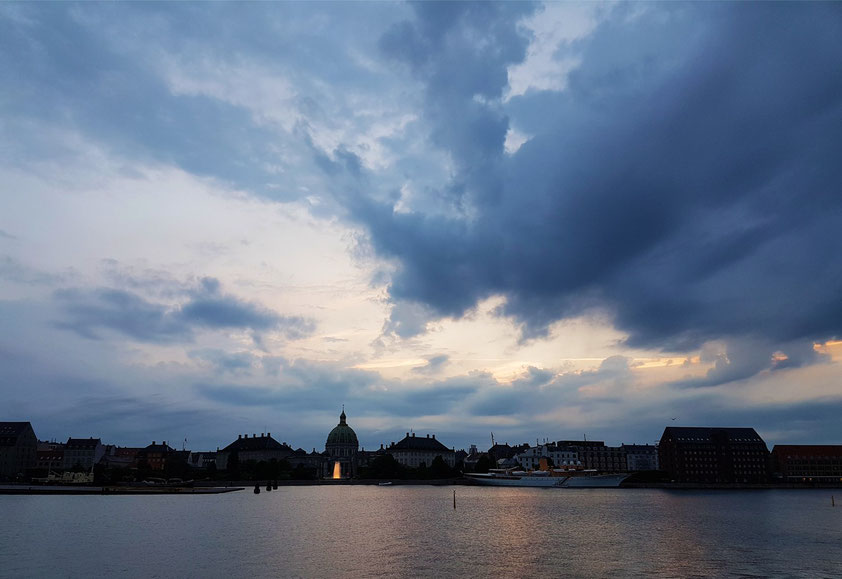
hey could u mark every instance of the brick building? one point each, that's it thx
(714, 455)
(807, 462)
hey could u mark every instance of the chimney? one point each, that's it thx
(434, 437)
(428, 435)
(253, 435)
(268, 434)
(413, 435)
(153, 443)
(239, 437)
(407, 435)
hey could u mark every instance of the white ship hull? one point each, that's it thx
(586, 481)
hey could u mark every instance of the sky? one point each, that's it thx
(541, 221)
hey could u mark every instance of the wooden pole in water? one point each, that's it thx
(832, 501)
(454, 500)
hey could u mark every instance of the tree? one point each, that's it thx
(440, 469)
(384, 466)
(483, 464)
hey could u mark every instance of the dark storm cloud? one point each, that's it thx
(88, 312)
(687, 180)
(743, 359)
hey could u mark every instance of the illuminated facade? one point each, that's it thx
(341, 448)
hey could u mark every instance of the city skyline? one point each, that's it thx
(537, 220)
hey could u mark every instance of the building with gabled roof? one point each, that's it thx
(413, 451)
(154, 456)
(254, 448)
(713, 455)
(18, 447)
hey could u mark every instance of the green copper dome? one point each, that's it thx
(342, 433)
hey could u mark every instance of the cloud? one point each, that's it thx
(223, 361)
(87, 312)
(683, 181)
(11, 270)
(208, 308)
(434, 364)
(743, 358)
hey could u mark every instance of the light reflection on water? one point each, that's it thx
(370, 531)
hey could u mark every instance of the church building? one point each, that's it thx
(341, 448)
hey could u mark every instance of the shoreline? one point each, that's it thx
(221, 487)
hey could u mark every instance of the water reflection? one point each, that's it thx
(414, 531)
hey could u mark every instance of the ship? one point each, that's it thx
(550, 478)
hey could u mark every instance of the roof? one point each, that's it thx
(82, 443)
(262, 442)
(342, 433)
(10, 431)
(645, 448)
(163, 447)
(808, 449)
(707, 433)
(420, 443)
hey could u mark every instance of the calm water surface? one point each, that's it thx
(358, 531)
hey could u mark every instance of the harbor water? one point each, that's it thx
(414, 531)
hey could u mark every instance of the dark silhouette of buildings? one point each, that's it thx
(714, 455)
(18, 448)
(82, 453)
(256, 449)
(807, 462)
(154, 456)
(413, 451)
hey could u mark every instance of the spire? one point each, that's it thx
(342, 416)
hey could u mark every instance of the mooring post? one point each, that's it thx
(454, 500)
(832, 501)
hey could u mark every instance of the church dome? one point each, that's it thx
(342, 433)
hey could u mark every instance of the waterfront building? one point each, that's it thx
(120, 456)
(154, 456)
(82, 453)
(201, 459)
(18, 448)
(713, 455)
(341, 450)
(413, 451)
(256, 449)
(49, 460)
(807, 462)
(315, 462)
(641, 456)
(560, 457)
(595, 455)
